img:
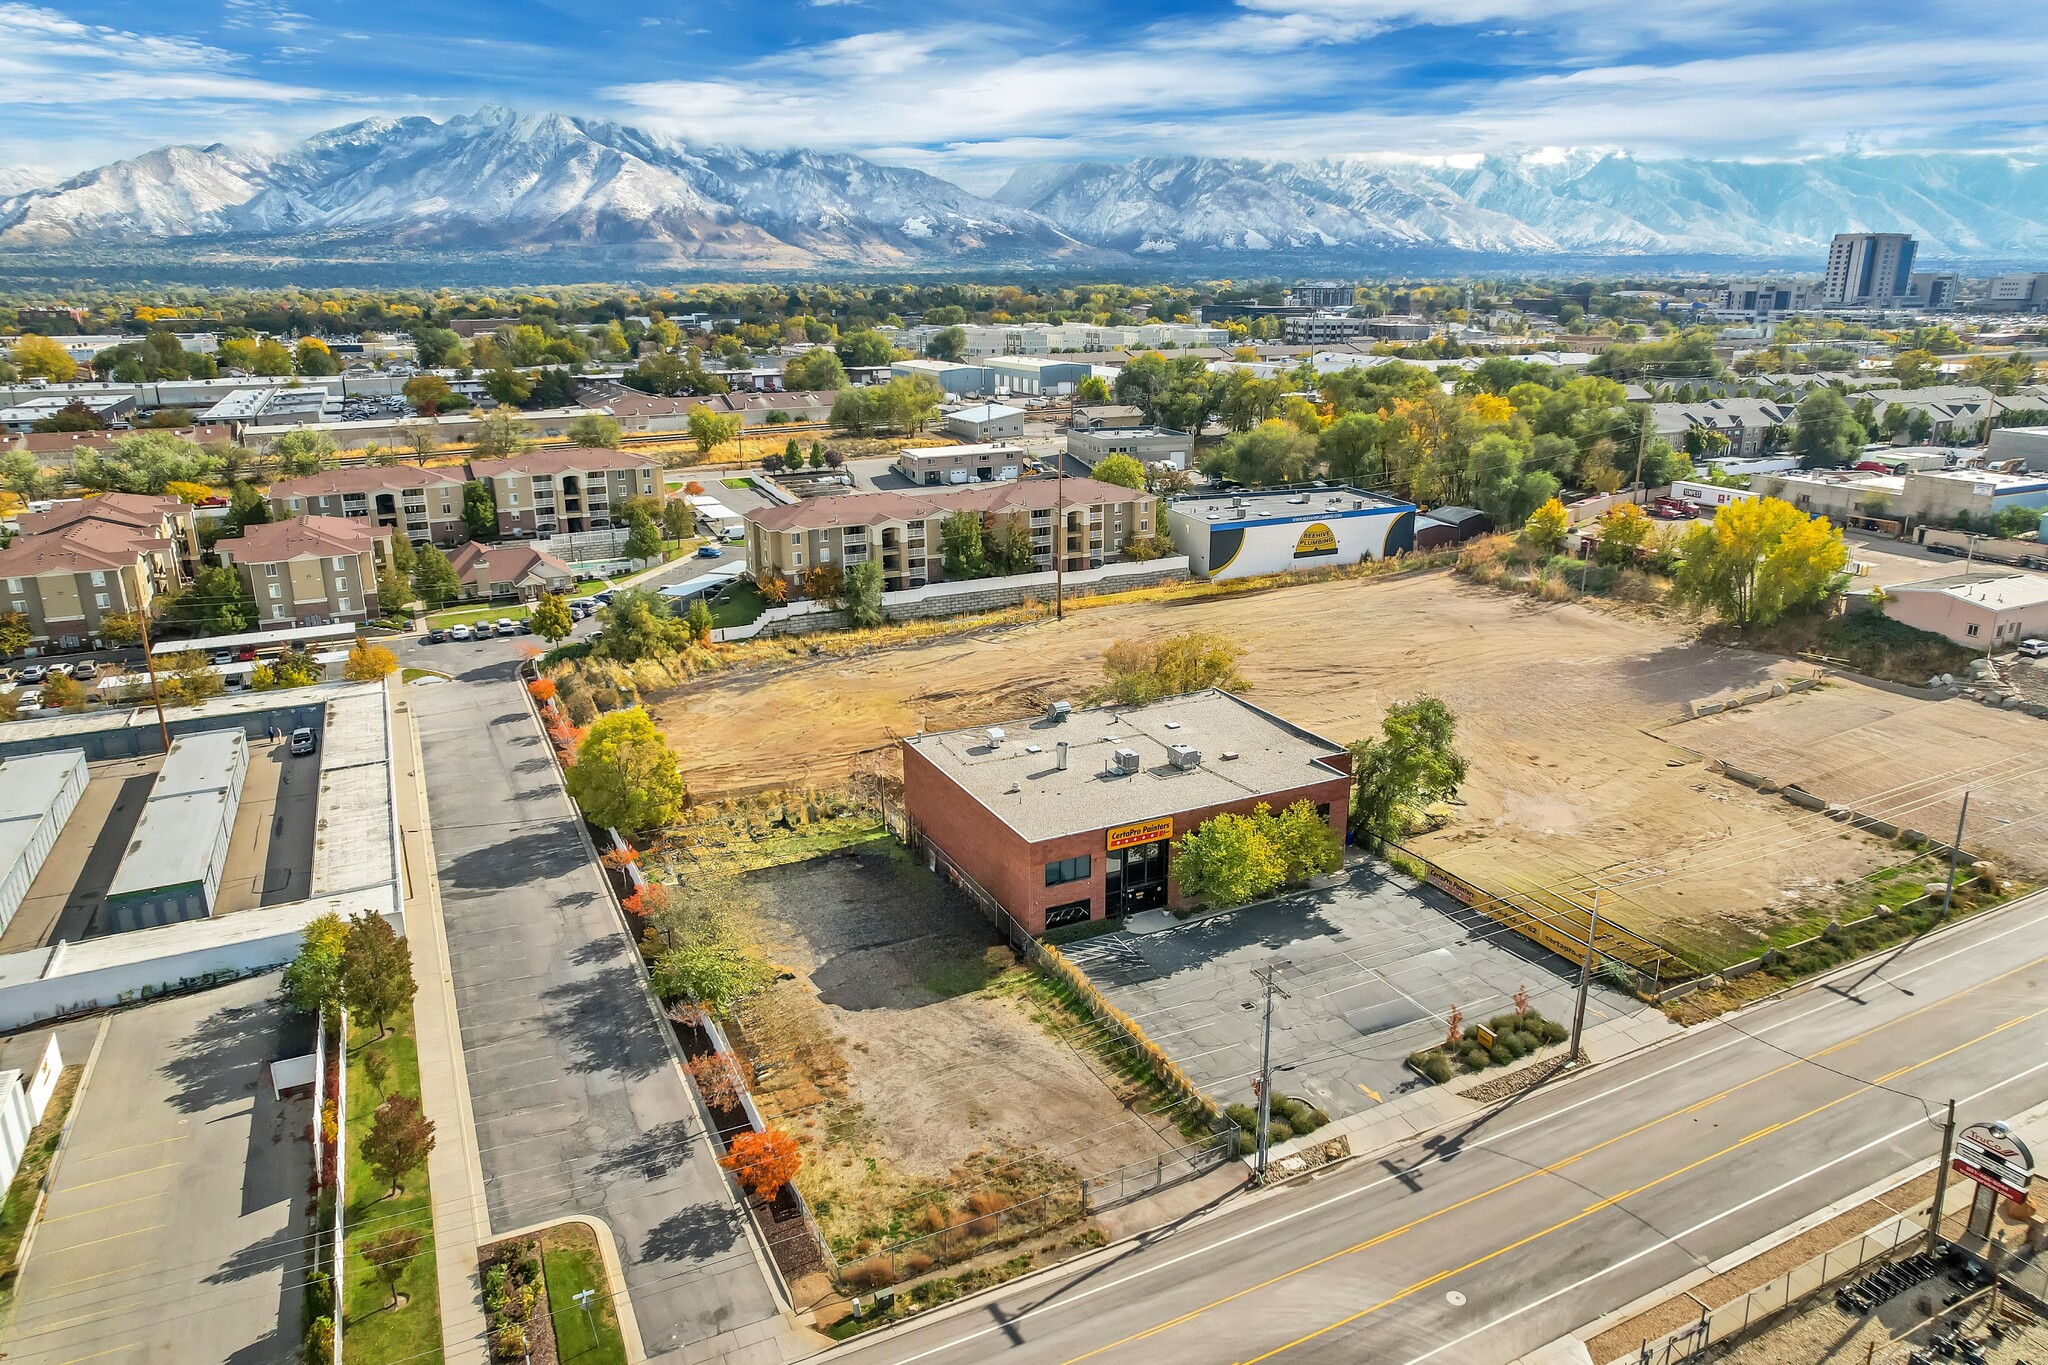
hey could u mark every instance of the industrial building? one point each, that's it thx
(953, 378)
(1990, 609)
(1072, 816)
(38, 792)
(1035, 374)
(1270, 530)
(1146, 445)
(172, 868)
(986, 422)
(932, 466)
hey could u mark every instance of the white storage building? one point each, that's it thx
(172, 868)
(38, 792)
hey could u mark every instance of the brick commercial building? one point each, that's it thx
(419, 504)
(548, 492)
(314, 571)
(1072, 818)
(903, 529)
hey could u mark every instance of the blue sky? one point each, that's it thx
(969, 90)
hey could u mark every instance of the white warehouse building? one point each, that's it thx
(1273, 530)
(38, 792)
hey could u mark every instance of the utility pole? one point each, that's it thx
(1955, 851)
(1948, 1149)
(1642, 446)
(1571, 1055)
(1265, 975)
(163, 726)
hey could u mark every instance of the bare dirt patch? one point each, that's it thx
(899, 1055)
(1553, 700)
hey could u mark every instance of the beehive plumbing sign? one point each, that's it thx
(1316, 539)
(1994, 1159)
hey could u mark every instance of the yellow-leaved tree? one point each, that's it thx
(1760, 559)
(1546, 527)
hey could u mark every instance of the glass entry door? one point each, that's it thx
(1135, 878)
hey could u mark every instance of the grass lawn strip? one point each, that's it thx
(573, 1264)
(37, 1153)
(517, 611)
(372, 1332)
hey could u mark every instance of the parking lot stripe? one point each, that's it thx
(132, 1232)
(102, 1208)
(133, 1147)
(110, 1179)
(103, 1275)
(97, 1354)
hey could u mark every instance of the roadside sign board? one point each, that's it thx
(1997, 1161)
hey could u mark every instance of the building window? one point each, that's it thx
(14, 585)
(99, 599)
(1073, 912)
(99, 579)
(341, 605)
(270, 571)
(1972, 629)
(275, 592)
(1065, 870)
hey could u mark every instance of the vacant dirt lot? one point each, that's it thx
(1900, 758)
(904, 1060)
(1553, 700)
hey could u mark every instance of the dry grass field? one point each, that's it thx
(1563, 710)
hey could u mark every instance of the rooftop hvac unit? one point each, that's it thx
(1124, 761)
(1059, 711)
(995, 737)
(1184, 756)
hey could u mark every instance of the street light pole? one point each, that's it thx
(1948, 1149)
(1571, 1055)
(1954, 851)
(1059, 539)
(1265, 975)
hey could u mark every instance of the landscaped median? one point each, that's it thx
(391, 1308)
(548, 1300)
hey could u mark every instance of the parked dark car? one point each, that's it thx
(437, 637)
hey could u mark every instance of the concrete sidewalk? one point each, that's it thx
(461, 1217)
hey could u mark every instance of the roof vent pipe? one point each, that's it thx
(1060, 763)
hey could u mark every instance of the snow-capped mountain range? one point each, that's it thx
(500, 181)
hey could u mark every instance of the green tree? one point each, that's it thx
(428, 394)
(866, 348)
(312, 979)
(311, 357)
(595, 432)
(479, 510)
(713, 972)
(500, 434)
(1413, 763)
(73, 416)
(271, 359)
(640, 624)
(1304, 842)
(550, 618)
(700, 621)
(219, 601)
(814, 370)
(1122, 470)
(434, 580)
(400, 1138)
(511, 388)
(1228, 859)
(1826, 435)
(676, 521)
(1141, 671)
(1270, 453)
(1092, 390)
(389, 1252)
(864, 593)
(949, 343)
(302, 452)
(22, 475)
(1546, 527)
(1916, 369)
(145, 462)
(14, 633)
(643, 537)
(1759, 559)
(709, 430)
(376, 971)
(960, 540)
(625, 776)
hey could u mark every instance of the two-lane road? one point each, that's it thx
(1481, 1245)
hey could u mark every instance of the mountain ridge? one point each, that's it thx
(549, 184)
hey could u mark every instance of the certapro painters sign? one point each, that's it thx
(1275, 532)
(1144, 832)
(1994, 1159)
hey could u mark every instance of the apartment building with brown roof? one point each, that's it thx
(501, 571)
(148, 515)
(310, 571)
(420, 504)
(68, 580)
(902, 529)
(547, 492)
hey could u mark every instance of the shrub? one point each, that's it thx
(1432, 1064)
(510, 1342)
(1528, 1041)
(987, 1209)
(873, 1273)
(1278, 1130)
(917, 1262)
(1475, 1058)
(1243, 1115)
(318, 1346)
(1247, 1140)
(934, 1218)
(1304, 1117)
(1553, 1032)
(1500, 1054)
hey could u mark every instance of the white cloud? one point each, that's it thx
(52, 59)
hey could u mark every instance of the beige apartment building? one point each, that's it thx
(146, 514)
(311, 571)
(420, 504)
(902, 529)
(68, 581)
(550, 492)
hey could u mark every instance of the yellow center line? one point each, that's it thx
(1614, 1199)
(1555, 1166)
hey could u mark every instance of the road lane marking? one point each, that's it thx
(1688, 1168)
(1973, 945)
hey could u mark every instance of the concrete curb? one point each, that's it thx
(614, 1274)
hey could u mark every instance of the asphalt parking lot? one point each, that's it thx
(1375, 966)
(176, 1222)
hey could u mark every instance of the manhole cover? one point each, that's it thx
(1455, 1299)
